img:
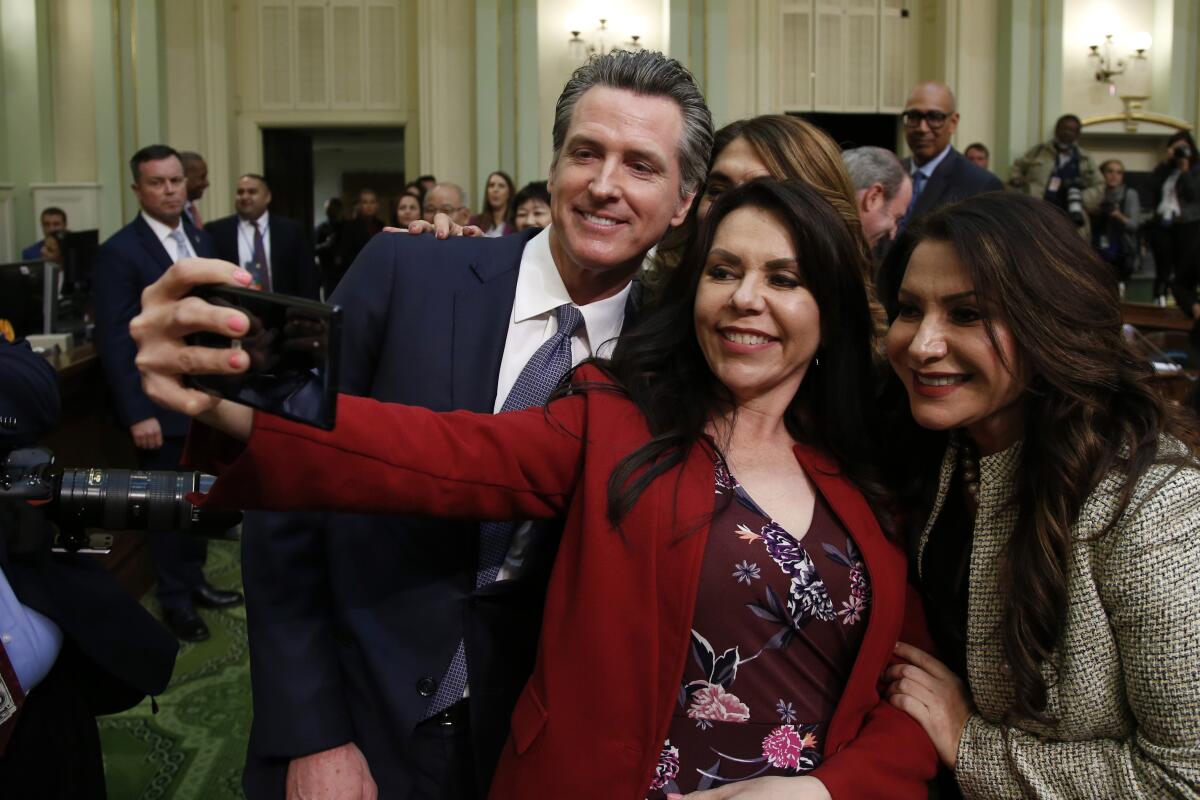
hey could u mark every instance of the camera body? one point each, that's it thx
(1182, 153)
(74, 500)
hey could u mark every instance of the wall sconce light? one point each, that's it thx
(1108, 67)
(580, 48)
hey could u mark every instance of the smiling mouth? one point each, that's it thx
(941, 380)
(738, 337)
(603, 221)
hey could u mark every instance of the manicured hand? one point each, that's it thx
(340, 773)
(442, 227)
(168, 315)
(930, 693)
(771, 788)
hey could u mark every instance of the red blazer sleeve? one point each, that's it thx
(892, 756)
(389, 458)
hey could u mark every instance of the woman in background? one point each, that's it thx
(408, 210)
(1057, 554)
(496, 216)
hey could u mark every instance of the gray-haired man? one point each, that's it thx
(882, 190)
(358, 623)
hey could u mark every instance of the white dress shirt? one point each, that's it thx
(540, 290)
(245, 239)
(164, 237)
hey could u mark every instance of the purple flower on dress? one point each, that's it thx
(746, 572)
(860, 589)
(668, 766)
(807, 594)
(723, 479)
(787, 714)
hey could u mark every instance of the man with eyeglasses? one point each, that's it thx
(940, 174)
(448, 199)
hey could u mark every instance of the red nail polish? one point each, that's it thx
(237, 323)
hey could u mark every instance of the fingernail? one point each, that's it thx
(241, 276)
(237, 322)
(235, 360)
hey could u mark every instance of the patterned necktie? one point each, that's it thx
(918, 182)
(182, 250)
(541, 374)
(261, 271)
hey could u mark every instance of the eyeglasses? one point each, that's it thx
(934, 119)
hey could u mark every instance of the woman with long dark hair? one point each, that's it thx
(1058, 555)
(724, 598)
(495, 217)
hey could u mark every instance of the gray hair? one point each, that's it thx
(646, 72)
(462, 193)
(869, 165)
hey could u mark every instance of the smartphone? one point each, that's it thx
(294, 347)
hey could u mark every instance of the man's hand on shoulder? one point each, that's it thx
(340, 773)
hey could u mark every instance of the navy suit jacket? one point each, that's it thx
(354, 618)
(955, 179)
(129, 261)
(293, 270)
(124, 654)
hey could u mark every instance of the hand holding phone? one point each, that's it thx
(292, 344)
(181, 336)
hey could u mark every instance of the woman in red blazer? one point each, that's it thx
(734, 418)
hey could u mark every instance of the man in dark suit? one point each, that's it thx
(74, 645)
(356, 622)
(132, 259)
(273, 249)
(940, 174)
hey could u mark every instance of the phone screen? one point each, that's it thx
(293, 344)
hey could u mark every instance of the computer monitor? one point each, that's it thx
(78, 253)
(28, 297)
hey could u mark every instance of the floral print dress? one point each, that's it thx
(776, 630)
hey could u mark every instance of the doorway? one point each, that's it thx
(307, 166)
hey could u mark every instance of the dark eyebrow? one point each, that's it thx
(725, 255)
(950, 298)
(772, 265)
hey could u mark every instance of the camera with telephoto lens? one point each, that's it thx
(1075, 202)
(1182, 153)
(75, 500)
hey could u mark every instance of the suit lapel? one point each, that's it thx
(939, 182)
(481, 316)
(149, 241)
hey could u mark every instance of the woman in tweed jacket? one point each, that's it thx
(1059, 559)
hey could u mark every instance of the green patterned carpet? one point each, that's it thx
(194, 747)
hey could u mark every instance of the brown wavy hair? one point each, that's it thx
(791, 149)
(1090, 407)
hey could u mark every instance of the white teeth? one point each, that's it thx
(598, 220)
(745, 338)
(947, 380)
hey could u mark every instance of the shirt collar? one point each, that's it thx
(929, 166)
(261, 222)
(540, 290)
(160, 229)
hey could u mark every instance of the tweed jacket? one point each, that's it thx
(1128, 692)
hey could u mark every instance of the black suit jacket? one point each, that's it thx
(955, 179)
(129, 261)
(292, 268)
(121, 653)
(354, 618)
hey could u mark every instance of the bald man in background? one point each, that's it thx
(940, 174)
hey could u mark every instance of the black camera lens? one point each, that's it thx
(122, 499)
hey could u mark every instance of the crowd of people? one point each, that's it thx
(725, 463)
